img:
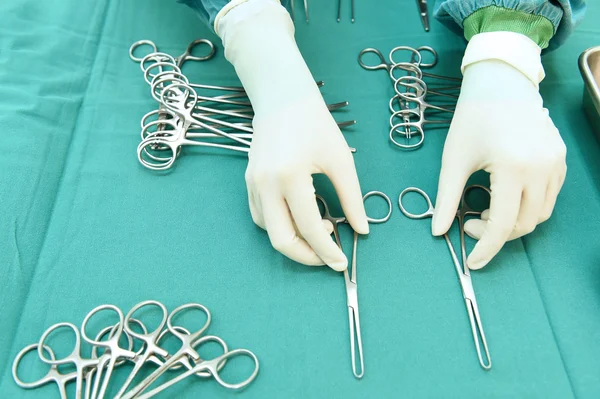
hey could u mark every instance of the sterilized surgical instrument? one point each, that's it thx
(350, 279)
(191, 114)
(95, 371)
(424, 14)
(339, 11)
(405, 69)
(464, 276)
(293, 13)
(180, 60)
(413, 117)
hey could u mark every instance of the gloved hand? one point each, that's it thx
(501, 126)
(295, 136)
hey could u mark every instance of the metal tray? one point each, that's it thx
(589, 65)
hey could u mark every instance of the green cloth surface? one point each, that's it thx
(82, 223)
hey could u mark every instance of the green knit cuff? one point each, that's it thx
(497, 19)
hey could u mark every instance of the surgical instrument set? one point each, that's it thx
(350, 277)
(462, 271)
(118, 343)
(413, 96)
(191, 114)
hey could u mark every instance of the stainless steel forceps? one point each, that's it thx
(339, 11)
(464, 276)
(178, 61)
(424, 14)
(350, 279)
(293, 14)
(412, 114)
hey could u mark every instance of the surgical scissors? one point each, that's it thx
(350, 279)
(464, 276)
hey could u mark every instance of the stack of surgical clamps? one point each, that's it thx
(189, 113)
(153, 369)
(415, 91)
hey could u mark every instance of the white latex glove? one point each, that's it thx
(501, 126)
(295, 136)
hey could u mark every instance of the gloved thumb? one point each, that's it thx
(453, 178)
(476, 227)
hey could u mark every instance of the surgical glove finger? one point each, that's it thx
(281, 231)
(300, 197)
(342, 173)
(255, 209)
(504, 209)
(326, 224)
(453, 177)
(532, 201)
(536, 208)
(475, 228)
(554, 187)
